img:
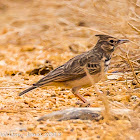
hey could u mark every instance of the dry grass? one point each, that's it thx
(34, 31)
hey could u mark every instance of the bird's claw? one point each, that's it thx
(87, 104)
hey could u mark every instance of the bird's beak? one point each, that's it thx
(121, 41)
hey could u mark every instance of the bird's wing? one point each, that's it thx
(78, 64)
(73, 69)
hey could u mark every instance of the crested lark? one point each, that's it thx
(72, 74)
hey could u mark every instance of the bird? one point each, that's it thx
(73, 74)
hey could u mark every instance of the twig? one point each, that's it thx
(135, 14)
(130, 63)
(132, 68)
(133, 27)
(117, 104)
(135, 43)
(135, 63)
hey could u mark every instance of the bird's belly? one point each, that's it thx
(84, 82)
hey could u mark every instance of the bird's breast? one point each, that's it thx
(106, 64)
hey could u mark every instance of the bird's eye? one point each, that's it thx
(111, 41)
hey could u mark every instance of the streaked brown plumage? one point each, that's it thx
(72, 74)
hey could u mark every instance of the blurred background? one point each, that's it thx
(24, 21)
(54, 21)
(60, 26)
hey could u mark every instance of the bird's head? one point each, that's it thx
(109, 43)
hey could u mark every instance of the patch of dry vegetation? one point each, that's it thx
(33, 32)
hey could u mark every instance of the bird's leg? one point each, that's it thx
(76, 93)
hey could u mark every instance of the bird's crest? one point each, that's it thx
(103, 37)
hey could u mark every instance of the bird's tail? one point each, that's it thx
(27, 90)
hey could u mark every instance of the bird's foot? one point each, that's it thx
(86, 104)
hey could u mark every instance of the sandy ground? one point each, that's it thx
(39, 33)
